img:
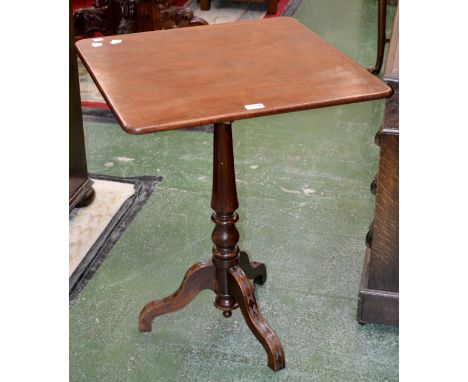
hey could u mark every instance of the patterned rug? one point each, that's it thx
(222, 11)
(94, 229)
(86, 224)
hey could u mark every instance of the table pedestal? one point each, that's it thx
(228, 272)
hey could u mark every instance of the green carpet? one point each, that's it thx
(303, 185)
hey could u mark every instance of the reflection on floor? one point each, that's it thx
(303, 185)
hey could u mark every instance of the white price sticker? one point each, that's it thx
(255, 106)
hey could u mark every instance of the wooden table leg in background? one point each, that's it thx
(81, 191)
(228, 272)
(381, 37)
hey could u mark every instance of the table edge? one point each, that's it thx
(135, 130)
(139, 130)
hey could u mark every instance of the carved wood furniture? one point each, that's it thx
(378, 300)
(110, 17)
(205, 5)
(203, 89)
(80, 190)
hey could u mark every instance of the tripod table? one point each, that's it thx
(170, 79)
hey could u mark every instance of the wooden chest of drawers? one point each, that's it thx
(379, 289)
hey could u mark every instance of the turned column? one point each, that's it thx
(224, 202)
(224, 274)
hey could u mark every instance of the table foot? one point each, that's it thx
(241, 290)
(199, 277)
(253, 269)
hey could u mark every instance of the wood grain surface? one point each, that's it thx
(384, 263)
(169, 79)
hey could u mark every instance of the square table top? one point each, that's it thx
(169, 79)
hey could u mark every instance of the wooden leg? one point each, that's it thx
(239, 287)
(253, 269)
(199, 277)
(232, 285)
(222, 273)
(205, 5)
(272, 7)
(381, 38)
(224, 202)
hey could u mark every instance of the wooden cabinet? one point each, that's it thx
(379, 290)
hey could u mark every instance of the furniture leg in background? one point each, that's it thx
(381, 37)
(81, 192)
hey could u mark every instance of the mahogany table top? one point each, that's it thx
(169, 79)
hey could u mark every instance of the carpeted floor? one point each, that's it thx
(303, 185)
